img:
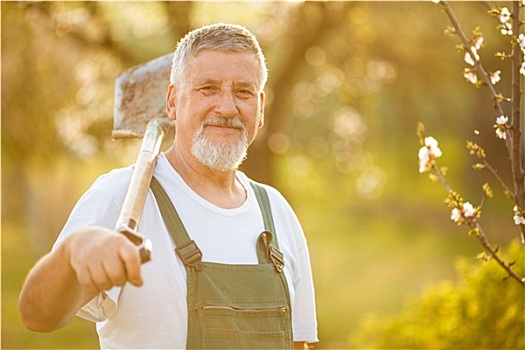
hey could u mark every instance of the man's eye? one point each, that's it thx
(244, 93)
(209, 89)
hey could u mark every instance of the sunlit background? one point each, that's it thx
(348, 83)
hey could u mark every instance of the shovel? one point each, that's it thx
(140, 113)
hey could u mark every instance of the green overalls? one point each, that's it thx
(233, 306)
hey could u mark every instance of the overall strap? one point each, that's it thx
(268, 247)
(186, 248)
(266, 209)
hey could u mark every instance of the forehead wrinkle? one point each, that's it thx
(242, 83)
(212, 81)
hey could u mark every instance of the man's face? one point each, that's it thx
(218, 103)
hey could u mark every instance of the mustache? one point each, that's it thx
(223, 121)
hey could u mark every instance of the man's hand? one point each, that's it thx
(102, 258)
(87, 262)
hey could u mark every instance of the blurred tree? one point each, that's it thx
(311, 25)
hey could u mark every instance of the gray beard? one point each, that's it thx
(221, 157)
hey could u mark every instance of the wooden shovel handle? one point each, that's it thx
(140, 181)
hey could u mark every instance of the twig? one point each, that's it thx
(480, 234)
(479, 67)
(494, 252)
(489, 5)
(500, 180)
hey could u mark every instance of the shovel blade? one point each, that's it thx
(140, 94)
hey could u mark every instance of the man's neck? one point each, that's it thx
(221, 188)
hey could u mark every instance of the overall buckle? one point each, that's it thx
(190, 254)
(276, 257)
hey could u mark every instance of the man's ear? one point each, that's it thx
(171, 97)
(261, 112)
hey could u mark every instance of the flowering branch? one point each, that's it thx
(464, 213)
(472, 51)
(509, 24)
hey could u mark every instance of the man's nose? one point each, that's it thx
(227, 103)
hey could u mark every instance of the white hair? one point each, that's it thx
(223, 37)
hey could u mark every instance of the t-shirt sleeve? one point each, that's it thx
(304, 313)
(304, 319)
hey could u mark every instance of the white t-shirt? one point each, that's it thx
(155, 315)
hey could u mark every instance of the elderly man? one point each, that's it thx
(230, 267)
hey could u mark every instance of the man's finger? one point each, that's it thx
(99, 276)
(130, 257)
(115, 271)
(86, 282)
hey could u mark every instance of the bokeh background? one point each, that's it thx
(348, 83)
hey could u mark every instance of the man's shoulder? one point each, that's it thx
(115, 181)
(273, 193)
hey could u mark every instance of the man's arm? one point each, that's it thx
(87, 262)
(300, 345)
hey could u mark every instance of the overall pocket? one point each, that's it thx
(226, 327)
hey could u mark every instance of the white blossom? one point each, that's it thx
(467, 211)
(504, 15)
(522, 69)
(456, 215)
(468, 57)
(502, 120)
(519, 220)
(495, 77)
(501, 127)
(518, 216)
(424, 157)
(506, 29)
(478, 42)
(501, 134)
(521, 42)
(432, 145)
(438, 1)
(429, 151)
(470, 75)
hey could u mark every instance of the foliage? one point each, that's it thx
(479, 311)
